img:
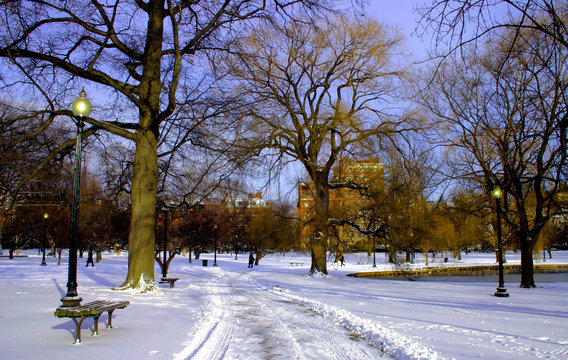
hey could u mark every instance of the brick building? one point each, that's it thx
(344, 203)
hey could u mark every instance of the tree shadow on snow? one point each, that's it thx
(98, 279)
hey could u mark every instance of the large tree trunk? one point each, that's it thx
(318, 240)
(142, 237)
(527, 273)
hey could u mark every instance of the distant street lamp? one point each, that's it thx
(45, 217)
(501, 289)
(374, 253)
(215, 259)
(81, 109)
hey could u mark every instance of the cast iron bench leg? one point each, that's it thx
(78, 329)
(96, 326)
(109, 326)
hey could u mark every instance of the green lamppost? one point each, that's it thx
(81, 109)
(45, 217)
(501, 289)
(215, 227)
(165, 263)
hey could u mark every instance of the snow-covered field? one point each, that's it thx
(275, 311)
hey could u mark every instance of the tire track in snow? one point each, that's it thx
(210, 341)
(284, 335)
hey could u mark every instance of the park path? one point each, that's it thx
(242, 320)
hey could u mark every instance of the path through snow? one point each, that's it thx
(243, 320)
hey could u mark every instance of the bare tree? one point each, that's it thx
(470, 215)
(317, 92)
(458, 23)
(398, 214)
(504, 109)
(269, 227)
(25, 142)
(23, 150)
(145, 58)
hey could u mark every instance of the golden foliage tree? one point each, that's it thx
(317, 91)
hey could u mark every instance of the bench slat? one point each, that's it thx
(169, 280)
(92, 308)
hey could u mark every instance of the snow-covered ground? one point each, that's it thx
(275, 311)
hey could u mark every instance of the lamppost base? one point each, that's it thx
(501, 292)
(43, 264)
(215, 264)
(68, 301)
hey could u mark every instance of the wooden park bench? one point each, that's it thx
(293, 263)
(169, 280)
(92, 309)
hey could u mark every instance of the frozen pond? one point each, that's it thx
(510, 279)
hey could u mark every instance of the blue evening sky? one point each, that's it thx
(401, 15)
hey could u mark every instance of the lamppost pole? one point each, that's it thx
(501, 289)
(215, 256)
(45, 217)
(164, 264)
(81, 109)
(374, 253)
